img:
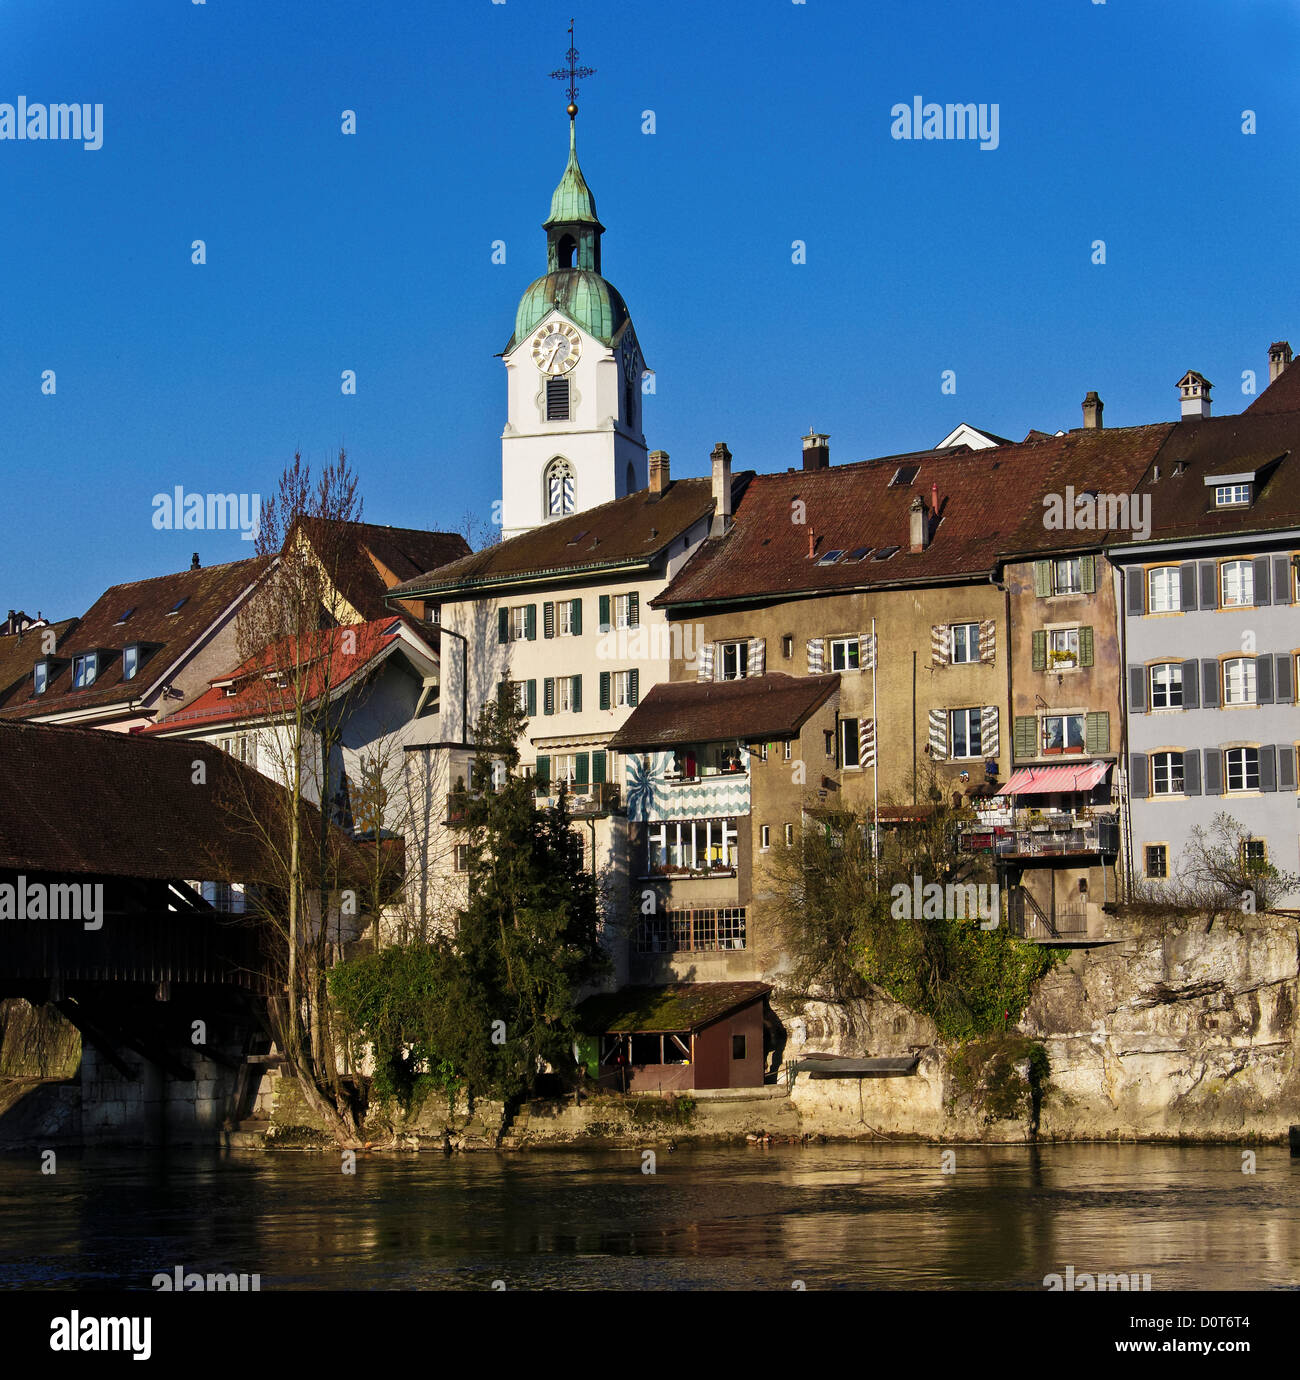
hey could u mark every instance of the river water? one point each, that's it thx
(879, 1216)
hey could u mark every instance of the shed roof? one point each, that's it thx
(664, 1010)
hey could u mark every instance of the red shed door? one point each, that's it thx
(712, 1069)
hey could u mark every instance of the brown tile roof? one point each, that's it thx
(759, 708)
(665, 1010)
(208, 593)
(1282, 395)
(627, 531)
(19, 652)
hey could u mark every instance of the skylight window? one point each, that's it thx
(903, 476)
(178, 605)
(885, 552)
(830, 557)
(859, 553)
(126, 615)
(574, 540)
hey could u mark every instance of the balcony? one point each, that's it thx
(1044, 834)
(594, 798)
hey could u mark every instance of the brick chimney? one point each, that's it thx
(816, 451)
(659, 480)
(920, 525)
(1279, 356)
(1194, 391)
(721, 458)
(1092, 406)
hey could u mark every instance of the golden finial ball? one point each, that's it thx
(572, 109)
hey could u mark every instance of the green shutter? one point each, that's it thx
(548, 696)
(577, 617)
(503, 625)
(532, 699)
(530, 622)
(580, 769)
(634, 690)
(604, 613)
(1042, 579)
(1098, 732)
(1026, 737)
(634, 610)
(1088, 574)
(1039, 662)
(597, 768)
(543, 772)
(548, 620)
(577, 694)
(1085, 646)
(604, 689)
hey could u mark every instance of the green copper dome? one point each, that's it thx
(572, 202)
(583, 296)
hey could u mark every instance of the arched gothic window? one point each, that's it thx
(559, 488)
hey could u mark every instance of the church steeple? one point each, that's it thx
(573, 230)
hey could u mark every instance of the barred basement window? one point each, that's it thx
(1157, 860)
(557, 400)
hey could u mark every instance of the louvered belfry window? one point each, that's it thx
(557, 400)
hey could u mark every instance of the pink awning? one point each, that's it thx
(1047, 780)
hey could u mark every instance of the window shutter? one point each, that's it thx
(1283, 682)
(1213, 771)
(1262, 593)
(939, 642)
(1268, 769)
(1263, 680)
(757, 656)
(1210, 684)
(1137, 689)
(1042, 579)
(1135, 584)
(1088, 574)
(1281, 580)
(634, 610)
(548, 620)
(548, 698)
(604, 613)
(580, 769)
(634, 690)
(1285, 767)
(503, 625)
(1039, 655)
(604, 690)
(990, 744)
(705, 671)
(1026, 737)
(577, 694)
(1192, 773)
(1097, 732)
(577, 617)
(597, 768)
(939, 734)
(543, 771)
(816, 656)
(867, 651)
(1191, 685)
(1137, 775)
(1187, 585)
(530, 622)
(1085, 646)
(867, 742)
(1209, 585)
(532, 699)
(988, 640)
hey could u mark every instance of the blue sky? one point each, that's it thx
(1119, 121)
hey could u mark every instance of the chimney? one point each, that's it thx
(194, 561)
(1194, 390)
(920, 521)
(1092, 406)
(934, 498)
(816, 451)
(1279, 356)
(721, 458)
(812, 543)
(659, 480)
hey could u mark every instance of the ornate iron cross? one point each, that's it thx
(572, 73)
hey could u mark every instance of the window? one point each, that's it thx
(557, 400)
(626, 610)
(566, 618)
(1166, 773)
(130, 662)
(1254, 855)
(787, 646)
(845, 653)
(462, 857)
(964, 732)
(178, 605)
(685, 930)
(831, 557)
(519, 623)
(1239, 680)
(1063, 733)
(564, 768)
(849, 756)
(789, 835)
(1242, 768)
(1066, 578)
(243, 747)
(620, 689)
(735, 660)
(737, 1046)
(1238, 583)
(1231, 495)
(1164, 590)
(1063, 649)
(829, 735)
(859, 553)
(1167, 686)
(765, 837)
(965, 642)
(566, 695)
(41, 676)
(126, 614)
(83, 670)
(519, 689)
(759, 751)
(1157, 860)
(692, 845)
(559, 473)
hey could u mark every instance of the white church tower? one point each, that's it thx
(573, 436)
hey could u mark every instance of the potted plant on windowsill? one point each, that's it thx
(1064, 661)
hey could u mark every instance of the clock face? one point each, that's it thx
(629, 357)
(556, 348)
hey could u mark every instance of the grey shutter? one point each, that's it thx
(1192, 772)
(548, 620)
(1137, 689)
(1263, 680)
(503, 625)
(1281, 580)
(1137, 775)
(1136, 595)
(705, 670)
(1268, 768)
(757, 657)
(577, 694)
(1262, 595)
(1210, 684)
(1085, 647)
(604, 690)
(1209, 585)
(1191, 685)
(1187, 585)
(816, 656)
(1213, 771)
(1026, 737)
(530, 622)
(1088, 574)
(1042, 579)
(939, 735)
(1285, 767)
(939, 643)
(1038, 654)
(1097, 732)
(577, 617)
(990, 743)
(634, 687)
(1283, 680)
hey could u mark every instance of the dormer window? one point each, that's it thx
(130, 661)
(41, 676)
(84, 668)
(1232, 495)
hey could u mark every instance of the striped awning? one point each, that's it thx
(1048, 780)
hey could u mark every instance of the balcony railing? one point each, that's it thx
(594, 798)
(1051, 836)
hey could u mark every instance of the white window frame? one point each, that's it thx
(564, 766)
(1242, 575)
(692, 843)
(622, 607)
(41, 676)
(789, 835)
(846, 650)
(620, 689)
(564, 618)
(1239, 681)
(740, 652)
(84, 670)
(518, 623)
(1065, 736)
(972, 732)
(787, 749)
(1164, 590)
(1231, 495)
(1240, 768)
(1063, 640)
(968, 642)
(849, 745)
(765, 838)
(460, 858)
(1164, 687)
(1073, 570)
(562, 702)
(130, 662)
(1168, 773)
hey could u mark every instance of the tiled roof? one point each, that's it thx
(19, 652)
(665, 1010)
(758, 708)
(1282, 395)
(208, 593)
(625, 531)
